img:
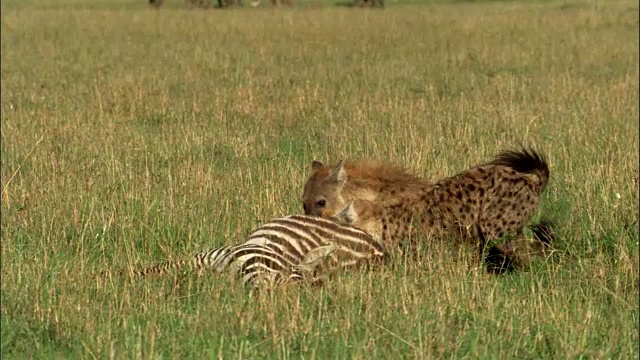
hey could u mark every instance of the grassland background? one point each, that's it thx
(131, 135)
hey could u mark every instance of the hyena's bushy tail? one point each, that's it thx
(526, 161)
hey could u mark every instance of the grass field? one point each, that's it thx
(132, 135)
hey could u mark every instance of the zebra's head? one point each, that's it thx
(323, 191)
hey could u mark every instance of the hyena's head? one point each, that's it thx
(323, 191)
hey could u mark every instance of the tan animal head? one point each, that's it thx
(323, 191)
(357, 193)
(328, 190)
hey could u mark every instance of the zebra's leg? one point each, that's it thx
(307, 270)
(315, 257)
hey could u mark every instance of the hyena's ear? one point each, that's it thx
(347, 215)
(316, 165)
(339, 174)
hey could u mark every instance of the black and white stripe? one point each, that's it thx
(288, 249)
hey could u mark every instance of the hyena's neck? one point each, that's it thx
(395, 217)
(389, 193)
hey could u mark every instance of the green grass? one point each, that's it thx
(132, 135)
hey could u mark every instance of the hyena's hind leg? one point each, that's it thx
(508, 207)
(519, 253)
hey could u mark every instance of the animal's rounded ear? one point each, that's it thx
(316, 165)
(348, 215)
(339, 174)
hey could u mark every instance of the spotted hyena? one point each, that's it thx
(515, 254)
(480, 204)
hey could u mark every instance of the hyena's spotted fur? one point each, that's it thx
(515, 254)
(481, 204)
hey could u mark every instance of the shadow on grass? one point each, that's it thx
(361, 5)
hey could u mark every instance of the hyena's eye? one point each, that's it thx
(321, 203)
